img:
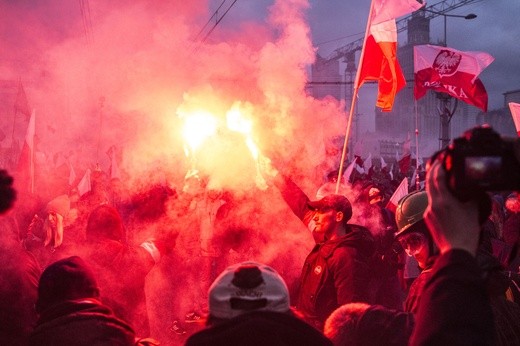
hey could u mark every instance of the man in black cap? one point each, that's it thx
(337, 271)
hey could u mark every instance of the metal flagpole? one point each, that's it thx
(354, 97)
(417, 183)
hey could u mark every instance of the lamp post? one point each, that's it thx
(445, 112)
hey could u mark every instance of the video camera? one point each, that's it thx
(481, 160)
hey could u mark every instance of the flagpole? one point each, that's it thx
(417, 183)
(354, 97)
(31, 154)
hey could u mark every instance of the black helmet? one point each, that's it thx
(410, 210)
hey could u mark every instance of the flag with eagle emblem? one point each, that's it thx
(450, 71)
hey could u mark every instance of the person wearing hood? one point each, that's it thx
(121, 268)
(337, 270)
(70, 310)
(45, 234)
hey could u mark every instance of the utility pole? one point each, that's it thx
(445, 112)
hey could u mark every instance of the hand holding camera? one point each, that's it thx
(482, 161)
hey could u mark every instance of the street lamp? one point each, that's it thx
(445, 112)
(468, 17)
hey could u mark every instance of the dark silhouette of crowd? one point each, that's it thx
(175, 266)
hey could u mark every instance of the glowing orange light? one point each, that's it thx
(239, 120)
(198, 126)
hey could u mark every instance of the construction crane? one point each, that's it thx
(348, 52)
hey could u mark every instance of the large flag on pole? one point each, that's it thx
(25, 167)
(379, 56)
(515, 113)
(400, 192)
(450, 71)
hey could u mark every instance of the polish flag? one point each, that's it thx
(115, 173)
(400, 192)
(404, 163)
(378, 60)
(84, 185)
(450, 71)
(515, 112)
(383, 162)
(72, 175)
(348, 171)
(367, 164)
(25, 167)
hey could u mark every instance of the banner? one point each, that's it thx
(450, 71)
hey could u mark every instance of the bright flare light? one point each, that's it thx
(198, 126)
(236, 121)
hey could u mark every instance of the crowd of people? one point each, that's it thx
(175, 267)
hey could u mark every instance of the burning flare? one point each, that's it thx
(239, 120)
(198, 126)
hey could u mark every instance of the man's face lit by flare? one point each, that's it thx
(325, 221)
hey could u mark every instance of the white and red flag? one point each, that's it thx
(25, 166)
(383, 162)
(378, 60)
(400, 192)
(84, 184)
(367, 164)
(450, 71)
(515, 113)
(72, 175)
(348, 171)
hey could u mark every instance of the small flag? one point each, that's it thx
(72, 175)
(400, 192)
(383, 163)
(348, 171)
(404, 163)
(515, 113)
(21, 104)
(25, 167)
(368, 163)
(84, 185)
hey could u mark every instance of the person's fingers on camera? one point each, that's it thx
(432, 212)
(453, 224)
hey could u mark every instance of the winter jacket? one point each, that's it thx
(454, 307)
(337, 271)
(121, 272)
(258, 329)
(413, 298)
(81, 322)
